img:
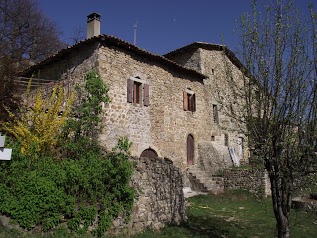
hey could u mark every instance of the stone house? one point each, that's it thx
(168, 106)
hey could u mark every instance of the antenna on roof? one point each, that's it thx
(135, 26)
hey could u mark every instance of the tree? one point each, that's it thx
(279, 94)
(77, 35)
(26, 37)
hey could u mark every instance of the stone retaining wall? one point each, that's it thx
(253, 180)
(159, 196)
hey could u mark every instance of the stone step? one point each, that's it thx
(208, 179)
(205, 181)
(211, 186)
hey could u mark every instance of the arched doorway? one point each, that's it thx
(149, 153)
(190, 150)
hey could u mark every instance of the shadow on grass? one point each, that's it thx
(210, 226)
(198, 227)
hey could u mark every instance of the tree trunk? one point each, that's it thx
(281, 201)
(283, 225)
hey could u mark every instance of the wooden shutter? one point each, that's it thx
(193, 102)
(130, 90)
(146, 99)
(185, 101)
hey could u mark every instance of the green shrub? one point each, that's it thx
(32, 197)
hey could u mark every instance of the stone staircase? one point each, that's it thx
(204, 182)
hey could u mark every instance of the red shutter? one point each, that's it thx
(193, 101)
(130, 90)
(185, 101)
(146, 99)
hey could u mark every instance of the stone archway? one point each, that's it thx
(149, 153)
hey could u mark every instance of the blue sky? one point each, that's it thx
(163, 25)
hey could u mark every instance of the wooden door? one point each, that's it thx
(190, 150)
(149, 153)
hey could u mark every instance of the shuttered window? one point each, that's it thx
(138, 92)
(189, 101)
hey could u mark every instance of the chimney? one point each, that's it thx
(93, 25)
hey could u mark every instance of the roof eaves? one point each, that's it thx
(141, 51)
(119, 43)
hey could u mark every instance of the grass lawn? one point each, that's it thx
(233, 214)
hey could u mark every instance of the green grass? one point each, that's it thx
(233, 214)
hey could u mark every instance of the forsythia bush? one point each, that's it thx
(40, 124)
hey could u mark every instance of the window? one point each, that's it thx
(215, 113)
(213, 136)
(189, 101)
(137, 92)
(226, 140)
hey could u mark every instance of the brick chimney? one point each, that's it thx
(93, 25)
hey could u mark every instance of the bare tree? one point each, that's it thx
(78, 34)
(279, 98)
(26, 37)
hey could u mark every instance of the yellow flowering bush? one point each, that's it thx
(38, 123)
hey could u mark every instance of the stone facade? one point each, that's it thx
(159, 196)
(163, 125)
(219, 65)
(159, 120)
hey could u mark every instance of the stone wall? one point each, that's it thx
(159, 196)
(252, 180)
